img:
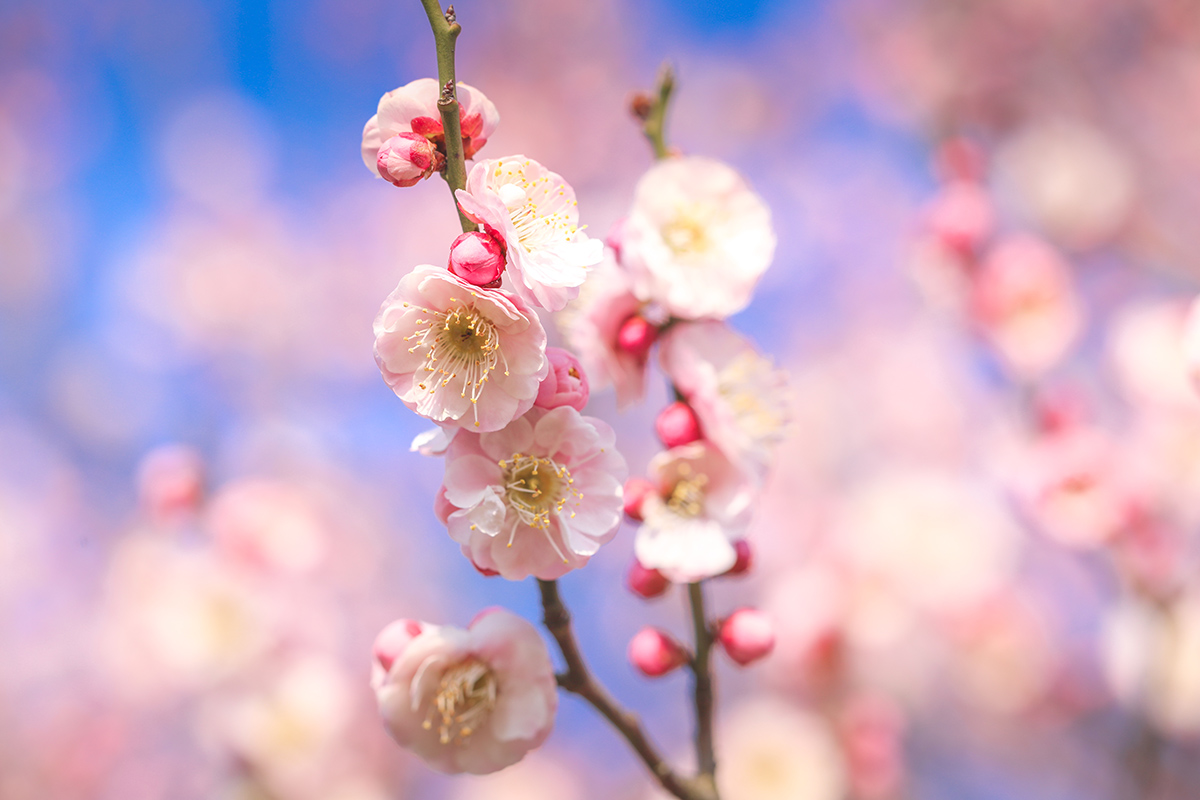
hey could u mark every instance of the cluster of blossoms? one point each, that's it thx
(532, 486)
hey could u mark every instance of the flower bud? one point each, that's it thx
(745, 558)
(565, 384)
(645, 582)
(636, 491)
(636, 336)
(407, 158)
(656, 653)
(171, 482)
(747, 635)
(393, 640)
(478, 258)
(677, 425)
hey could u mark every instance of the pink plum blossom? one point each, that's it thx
(738, 396)
(458, 354)
(566, 383)
(697, 239)
(478, 258)
(474, 700)
(592, 325)
(536, 498)
(534, 211)
(701, 505)
(413, 109)
(407, 159)
(171, 482)
(269, 525)
(1191, 343)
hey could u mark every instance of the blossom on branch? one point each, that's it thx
(537, 498)
(457, 354)
(474, 700)
(534, 211)
(697, 239)
(413, 108)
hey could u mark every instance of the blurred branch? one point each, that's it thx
(445, 33)
(578, 680)
(702, 686)
(652, 111)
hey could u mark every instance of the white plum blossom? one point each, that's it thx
(474, 700)
(413, 109)
(534, 211)
(701, 506)
(697, 239)
(457, 354)
(537, 498)
(737, 394)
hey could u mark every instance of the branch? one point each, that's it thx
(445, 33)
(578, 680)
(652, 111)
(702, 686)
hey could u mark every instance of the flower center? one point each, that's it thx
(542, 212)
(687, 495)
(461, 347)
(537, 488)
(465, 697)
(751, 389)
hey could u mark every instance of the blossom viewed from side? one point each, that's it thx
(737, 394)
(537, 498)
(458, 354)
(474, 700)
(697, 239)
(413, 109)
(534, 211)
(701, 507)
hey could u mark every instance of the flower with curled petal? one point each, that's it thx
(537, 498)
(534, 211)
(457, 354)
(474, 700)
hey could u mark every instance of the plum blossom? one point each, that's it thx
(738, 396)
(566, 384)
(474, 700)
(534, 211)
(536, 498)
(592, 325)
(697, 239)
(701, 505)
(457, 354)
(413, 109)
(406, 159)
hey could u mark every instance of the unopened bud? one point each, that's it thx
(636, 492)
(478, 258)
(645, 582)
(565, 384)
(747, 635)
(655, 653)
(408, 158)
(677, 425)
(171, 482)
(393, 640)
(745, 558)
(636, 336)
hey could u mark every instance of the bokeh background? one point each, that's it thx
(208, 506)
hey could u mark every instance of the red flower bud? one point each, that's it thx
(477, 257)
(645, 582)
(677, 425)
(747, 635)
(654, 653)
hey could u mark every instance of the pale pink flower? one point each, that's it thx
(1024, 302)
(268, 524)
(697, 239)
(536, 498)
(592, 325)
(408, 158)
(1191, 343)
(960, 217)
(534, 211)
(566, 384)
(737, 394)
(413, 109)
(474, 700)
(457, 354)
(700, 507)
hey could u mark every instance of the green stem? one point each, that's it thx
(578, 680)
(702, 686)
(654, 123)
(445, 34)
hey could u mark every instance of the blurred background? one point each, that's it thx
(979, 542)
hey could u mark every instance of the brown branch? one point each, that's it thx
(578, 680)
(702, 686)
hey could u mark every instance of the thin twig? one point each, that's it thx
(445, 33)
(702, 685)
(578, 680)
(653, 111)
